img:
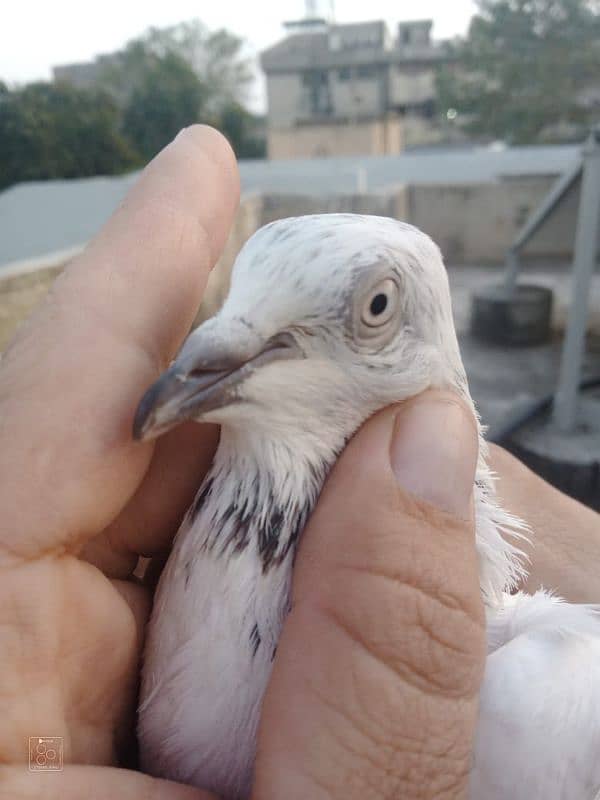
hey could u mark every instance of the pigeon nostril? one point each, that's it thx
(206, 374)
(196, 372)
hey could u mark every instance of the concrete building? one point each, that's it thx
(352, 89)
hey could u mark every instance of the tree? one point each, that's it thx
(167, 97)
(57, 131)
(159, 83)
(529, 70)
(214, 56)
(244, 130)
(171, 77)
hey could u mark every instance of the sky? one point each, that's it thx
(37, 34)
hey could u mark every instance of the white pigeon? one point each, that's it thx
(330, 318)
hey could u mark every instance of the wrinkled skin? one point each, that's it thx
(81, 502)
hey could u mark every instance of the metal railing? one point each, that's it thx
(587, 172)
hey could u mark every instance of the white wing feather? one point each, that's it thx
(538, 736)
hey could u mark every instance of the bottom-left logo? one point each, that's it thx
(45, 753)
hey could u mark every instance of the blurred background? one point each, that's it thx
(477, 121)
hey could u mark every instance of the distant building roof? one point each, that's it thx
(84, 74)
(338, 45)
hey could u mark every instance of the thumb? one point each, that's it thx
(374, 688)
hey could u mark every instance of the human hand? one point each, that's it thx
(375, 685)
(564, 548)
(80, 499)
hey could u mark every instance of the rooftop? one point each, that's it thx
(335, 45)
(44, 216)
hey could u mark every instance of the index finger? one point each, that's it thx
(70, 382)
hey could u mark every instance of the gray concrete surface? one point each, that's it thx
(427, 166)
(502, 379)
(40, 217)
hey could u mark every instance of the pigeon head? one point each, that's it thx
(329, 318)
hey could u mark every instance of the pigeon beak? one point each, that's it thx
(203, 378)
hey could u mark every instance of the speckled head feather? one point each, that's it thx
(313, 277)
(310, 277)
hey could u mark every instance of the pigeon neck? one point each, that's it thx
(258, 494)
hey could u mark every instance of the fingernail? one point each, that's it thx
(434, 451)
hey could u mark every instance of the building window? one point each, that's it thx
(316, 82)
(428, 109)
(315, 77)
(366, 71)
(407, 70)
(361, 73)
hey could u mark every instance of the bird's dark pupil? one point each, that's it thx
(378, 304)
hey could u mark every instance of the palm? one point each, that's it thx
(79, 664)
(76, 672)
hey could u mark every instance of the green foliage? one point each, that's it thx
(172, 77)
(159, 83)
(168, 97)
(57, 131)
(244, 131)
(528, 70)
(215, 57)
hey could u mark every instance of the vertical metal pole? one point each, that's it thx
(362, 180)
(586, 247)
(511, 272)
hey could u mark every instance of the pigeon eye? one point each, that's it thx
(379, 306)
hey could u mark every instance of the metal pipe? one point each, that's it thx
(362, 180)
(548, 205)
(511, 271)
(535, 221)
(586, 248)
